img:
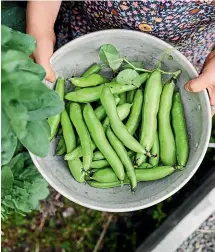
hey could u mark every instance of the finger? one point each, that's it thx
(198, 84)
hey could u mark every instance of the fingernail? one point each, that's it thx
(187, 87)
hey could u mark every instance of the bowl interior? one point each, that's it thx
(73, 59)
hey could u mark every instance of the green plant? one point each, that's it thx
(26, 105)
(158, 214)
(22, 186)
(26, 101)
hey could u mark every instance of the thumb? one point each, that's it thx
(42, 56)
(50, 75)
(203, 81)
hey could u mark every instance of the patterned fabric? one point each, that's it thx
(188, 25)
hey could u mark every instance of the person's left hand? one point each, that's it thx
(205, 80)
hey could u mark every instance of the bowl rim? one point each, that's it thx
(208, 111)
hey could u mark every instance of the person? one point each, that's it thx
(188, 25)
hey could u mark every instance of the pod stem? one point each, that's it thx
(175, 73)
(149, 154)
(136, 68)
(179, 167)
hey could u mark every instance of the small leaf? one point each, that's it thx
(6, 178)
(129, 77)
(108, 52)
(115, 64)
(36, 139)
(110, 55)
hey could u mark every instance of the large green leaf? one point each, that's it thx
(22, 42)
(18, 116)
(11, 60)
(6, 34)
(5, 125)
(8, 147)
(23, 86)
(46, 105)
(36, 140)
(34, 68)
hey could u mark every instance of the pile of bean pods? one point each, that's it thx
(123, 130)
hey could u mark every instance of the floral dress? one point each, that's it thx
(187, 25)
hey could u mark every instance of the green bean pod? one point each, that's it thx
(77, 152)
(122, 97)
(154, 173)
(104, 175)
(60, 143)
(180, 130)
(68, 132)
(144, 77)
(100, 140)
(104, 185)
(84, 136)
(54, 121)
(123, 155)
(117, 126)
(90, 81)
(95, 68)
(97, 155)
(76, 169)
(130, 96)
(154, 161)
(61, 147)
(93, 93)
(166, 137)
(152, 95)
(142, 175)
(122, 110)
(100, 111)
(135, 115)
(99, 164)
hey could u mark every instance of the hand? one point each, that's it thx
(205, 80)
(43, 53)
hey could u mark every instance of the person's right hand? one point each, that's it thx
(43, 53)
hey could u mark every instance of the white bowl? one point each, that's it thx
(73, 59)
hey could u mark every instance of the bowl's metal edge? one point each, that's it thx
(129, 209)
